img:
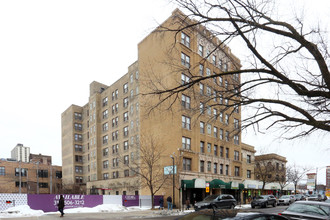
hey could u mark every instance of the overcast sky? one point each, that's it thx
(50, 51)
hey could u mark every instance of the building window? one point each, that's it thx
(126, 173)
(78, 148)
(200, 50)
(236, 171)
(23, 171)
(125, 102)
(215, 132)
(227, 136)
(214, 60)
(201, 107)
(202, 127)
(23, 184)
(227, 119)
(201, 88)
(236, 123)
(221, 117)
(105, 114)
(186, 162)
(125, 88)
(236, 155)
(185, 101)
(105, 176)
(186, 122)
(248, 158)
(215, 168)
(227, 170)
(125, 145)
(43, 185)
(126, 160)
(186, 143)
(185, 60)
(77, 137)
(208, 110)
(125, 131)
(221, 168)
(184, 79)
(105, 152)
(105, 126)
(209, 166)
(125, 116)
(115, 175)
(209, 146)
(236, 109)
(215, 149)
(208, 72)
(185, 39)
(79, 169)
(201, 166)
(105, 164)
(201, 69)
(236, 139)
(78, 127)
(202, 147)
(221, 151)
(215, 113)
(248, 174)
(43, 173)
(221, 133)
(77, 116)
(78, 158)
(105, 139)
(105, 101)
(227, 152)
(209, 129)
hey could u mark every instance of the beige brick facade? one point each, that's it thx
(193, 135)
(49, 179)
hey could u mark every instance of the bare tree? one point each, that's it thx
(285, 79)
(264, 171)
(282, 178)
(147, 165)
(295, 174)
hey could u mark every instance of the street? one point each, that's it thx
(146, 214)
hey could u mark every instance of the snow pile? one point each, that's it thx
(99, 208)
(20, 211)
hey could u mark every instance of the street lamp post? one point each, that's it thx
(173, 170)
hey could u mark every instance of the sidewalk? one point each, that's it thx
(107, 215)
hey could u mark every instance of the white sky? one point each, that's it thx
(50, 51)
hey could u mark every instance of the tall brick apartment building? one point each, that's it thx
(202, 130)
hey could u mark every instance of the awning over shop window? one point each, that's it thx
(187, 184)
(236, 185)
(219, 184)
(194, 183)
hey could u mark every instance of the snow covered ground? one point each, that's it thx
(26, 211)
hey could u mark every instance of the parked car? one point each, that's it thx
(216, 201)
(286, 200)
(324, 197)
(307, 210)
(314, 197)
(233, 214)
(264, 201)
(299, 197)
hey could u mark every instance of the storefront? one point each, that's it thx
(251, 190)
(194, 190)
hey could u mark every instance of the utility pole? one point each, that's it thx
(173, 172)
